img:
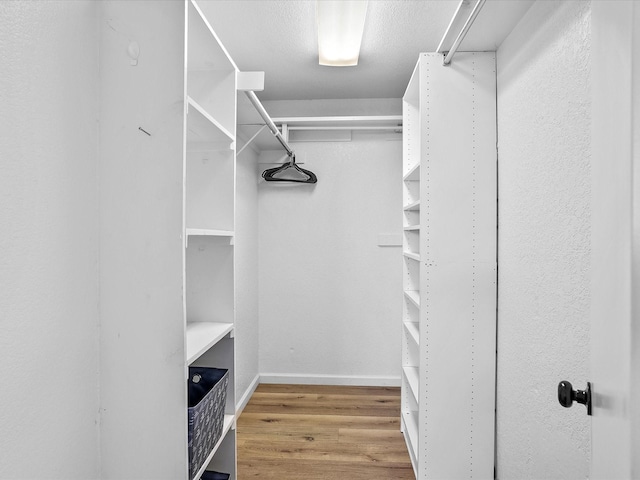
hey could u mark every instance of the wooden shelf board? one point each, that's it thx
(412, 228)
(413, 174)
(413, 296)
(413, 256)
(412, 206)
(228, 423)
(201, 336)
(202, 127)
(414, 331)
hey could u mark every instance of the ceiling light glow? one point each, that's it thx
(340, 27)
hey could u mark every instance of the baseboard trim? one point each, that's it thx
(247, 395)
(306, 379)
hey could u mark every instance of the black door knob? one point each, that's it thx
(567, 395)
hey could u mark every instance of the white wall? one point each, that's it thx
(544, 241)
(246, 251)
(329, 295)
(48, 245)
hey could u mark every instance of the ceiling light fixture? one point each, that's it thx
(340, 27)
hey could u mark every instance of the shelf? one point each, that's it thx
(201, 336)
(413, 256)
(412, 93)
(412, 206)
(206, 51)
(222, 236)
(228, 423)
(410, 421)
(207, 232)
(413, 174)
(413, 296)
(412, 228)
(204, 128)
(411, 374)
(413, 330)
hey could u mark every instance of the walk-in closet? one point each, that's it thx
(318, 239)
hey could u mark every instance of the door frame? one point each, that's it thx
(615, 245)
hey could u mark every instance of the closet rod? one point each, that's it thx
(357, 119)
(272, 126)
(463, 33)
(346, 127)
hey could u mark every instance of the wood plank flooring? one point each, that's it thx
(309, 432)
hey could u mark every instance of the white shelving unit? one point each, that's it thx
(449, 251)
(210, 173)
(411, 278)
(167, 185)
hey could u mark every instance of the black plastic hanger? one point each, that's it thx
(269, 173)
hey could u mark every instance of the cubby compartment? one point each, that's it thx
(222, 355)
(210, 280)
(203, 130)
(411, 274)
(411, 356)
(412, 306)
(211, 74)
(411, 214)
(222, 456)
(409, 410)
(410, 415)
(411, 193)
(411, 131)
(411, 314)
(222, 462)
(210, 190)
(412, 239)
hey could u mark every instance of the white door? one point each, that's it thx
(615, 265)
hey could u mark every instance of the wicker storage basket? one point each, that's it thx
(207, 397)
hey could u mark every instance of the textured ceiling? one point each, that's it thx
(279, 38)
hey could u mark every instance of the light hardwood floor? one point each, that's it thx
(309, 432)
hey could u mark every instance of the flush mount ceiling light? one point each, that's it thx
(340, 27)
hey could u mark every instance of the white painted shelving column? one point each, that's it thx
(450, 132)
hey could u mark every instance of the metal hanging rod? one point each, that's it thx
(361, 122)
(272, 126)
(463, 32)
(345, 127)
(341, 120)
(372, 123)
